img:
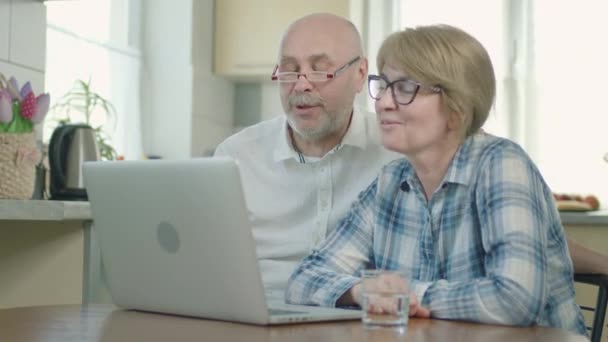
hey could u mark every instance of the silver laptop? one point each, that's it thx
(175, 238)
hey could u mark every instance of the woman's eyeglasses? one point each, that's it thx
(403, 90)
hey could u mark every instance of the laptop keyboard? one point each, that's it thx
(278, 312)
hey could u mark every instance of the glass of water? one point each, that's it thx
(385, 299)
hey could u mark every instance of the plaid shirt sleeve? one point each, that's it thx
(325, 275)
(514, 217)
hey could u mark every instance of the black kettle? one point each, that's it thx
(70, 146)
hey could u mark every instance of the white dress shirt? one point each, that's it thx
(293, 204)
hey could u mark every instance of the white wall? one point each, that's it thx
(23, 42)
(212, 97)
(166, 78)
(271, 101)
(186, 110)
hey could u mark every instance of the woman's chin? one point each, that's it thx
(392, 144)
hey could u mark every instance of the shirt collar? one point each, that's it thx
(460, 170)
(282, 148)
(356, 136)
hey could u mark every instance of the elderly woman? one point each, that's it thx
(467, 215)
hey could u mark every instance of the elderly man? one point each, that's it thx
(302, 170)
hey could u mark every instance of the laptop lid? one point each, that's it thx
(175, 238)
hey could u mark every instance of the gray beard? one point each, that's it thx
(312, 134)
(333, 124)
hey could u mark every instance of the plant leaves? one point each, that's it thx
(82, 101)
(19, 124)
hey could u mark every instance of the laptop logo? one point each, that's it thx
(167, 237)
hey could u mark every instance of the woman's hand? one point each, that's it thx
(379, 302)
(416, 310)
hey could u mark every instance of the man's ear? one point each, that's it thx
(362, 74)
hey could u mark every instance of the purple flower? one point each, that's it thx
(6, 106)
(42, 107)
(15, 85)
(26, 89)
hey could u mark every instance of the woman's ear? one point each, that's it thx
(455, 120)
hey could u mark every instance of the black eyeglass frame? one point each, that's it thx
(372, 78)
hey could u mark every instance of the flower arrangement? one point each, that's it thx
(21, 110)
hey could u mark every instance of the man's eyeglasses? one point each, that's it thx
(313, 76)
(403, 90)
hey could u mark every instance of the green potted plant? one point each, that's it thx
(80, 104)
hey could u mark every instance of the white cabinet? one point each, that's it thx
(247, 32)
(4, 28)
(27, 34)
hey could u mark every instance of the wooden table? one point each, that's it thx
(107, 323)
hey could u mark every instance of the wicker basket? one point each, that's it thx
(18, 159)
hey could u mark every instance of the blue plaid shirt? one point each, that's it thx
(487, 247)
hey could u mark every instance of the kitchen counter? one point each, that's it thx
(599, 217)
(46, 249)
(44, 210)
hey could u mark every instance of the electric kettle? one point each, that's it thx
(70, 146)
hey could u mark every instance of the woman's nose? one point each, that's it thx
(386, 100)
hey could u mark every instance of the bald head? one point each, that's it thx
(323, 31)
(319, 111)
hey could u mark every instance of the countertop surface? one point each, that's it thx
(599, 217)
(44, 210)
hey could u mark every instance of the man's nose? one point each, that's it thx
(302, 83)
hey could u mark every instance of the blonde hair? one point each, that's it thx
(447, 57)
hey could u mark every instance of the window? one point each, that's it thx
(97, 40)
(571, 69)
(487, 28)
(550, 79)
